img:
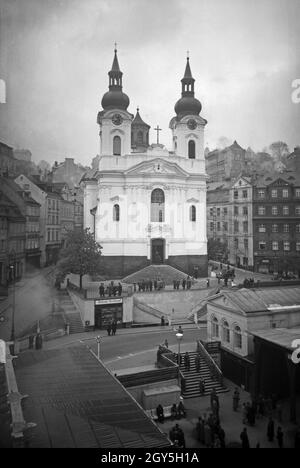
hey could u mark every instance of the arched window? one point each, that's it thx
(157, 206)
(215, 327)
(117, 145)
(140, 137)
(192, 149)
(237, 337)
(192, 213)
(116, 213)
(226, 332)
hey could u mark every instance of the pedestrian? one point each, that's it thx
(160, 414)
(187, 362)
(174, 283)
(181, 410)
(114, 327)
(200, 430)
(207, 435)
(183, 283)
(236, 399)
(244, 438)
(120, 289)
(270, 430)
(108, 329)
(198, 363)
(101, 290)
(31, 341)
(174, 411)
(244, 414)
(166, 343)
(207, 283)
(151, 285)
(280, 437)
(162, 321)
(202, 387)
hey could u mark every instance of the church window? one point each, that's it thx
(117, 145)
(157, 206)
(116, 213)
(215, 328)
(192, 149)
(192, 213)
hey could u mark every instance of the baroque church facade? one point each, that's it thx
(145, 204)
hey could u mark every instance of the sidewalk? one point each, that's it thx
(230, 421)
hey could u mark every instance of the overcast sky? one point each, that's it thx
(55, 56)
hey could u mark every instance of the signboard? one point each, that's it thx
(2, 352)
(109, 301)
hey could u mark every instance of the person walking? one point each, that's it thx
(166, 343)
(120, 289)
(108, 329)
(270, 430)
(160, 414)
(202, 387)
(280, 437)
(183, 283)
(114, 327)
(198, 363)
(236, 399)
(187, 362)
(245, 439)
(162, 321)
(101, 290)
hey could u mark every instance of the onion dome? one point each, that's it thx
(188, 104)
(115, 98)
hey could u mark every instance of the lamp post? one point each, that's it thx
(12, 269)
(179, 336)
(98, 346)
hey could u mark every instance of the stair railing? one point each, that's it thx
(212, 365)
(168, 358)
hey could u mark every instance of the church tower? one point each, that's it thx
(115, 120)
(188, 126)
(139, 134)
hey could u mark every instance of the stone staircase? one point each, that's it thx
(165, 272)
(192, 378)
(71, 313)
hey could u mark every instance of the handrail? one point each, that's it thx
(14, 398)
(146, 308)
(213, 366)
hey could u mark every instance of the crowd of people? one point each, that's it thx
(110, 290)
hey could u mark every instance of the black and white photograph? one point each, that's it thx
(149, 226)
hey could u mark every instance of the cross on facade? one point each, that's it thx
(157, 129)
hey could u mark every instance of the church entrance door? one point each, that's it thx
(157, 251)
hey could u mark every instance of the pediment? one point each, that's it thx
(157, 166)
(279, 183)
(193, 200)
(223, 302)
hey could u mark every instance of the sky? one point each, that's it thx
(55, 56)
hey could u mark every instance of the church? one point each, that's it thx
(145, 204)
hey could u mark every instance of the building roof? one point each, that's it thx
(76, 402)
(291, 178)
(138, 120)
(264, 299)
(282, 337)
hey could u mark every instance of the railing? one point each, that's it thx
(14, 398)
(167, 358)
(146, 308)
(213, 366)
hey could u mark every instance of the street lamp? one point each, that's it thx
(98, 346)
(179, 336)
(13, 277)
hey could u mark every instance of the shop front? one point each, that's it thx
(108, 311)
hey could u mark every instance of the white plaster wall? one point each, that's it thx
(233, 320)
(89, 202)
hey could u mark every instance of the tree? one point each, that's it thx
(80, 256)
(217, 250)
(279, 150)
